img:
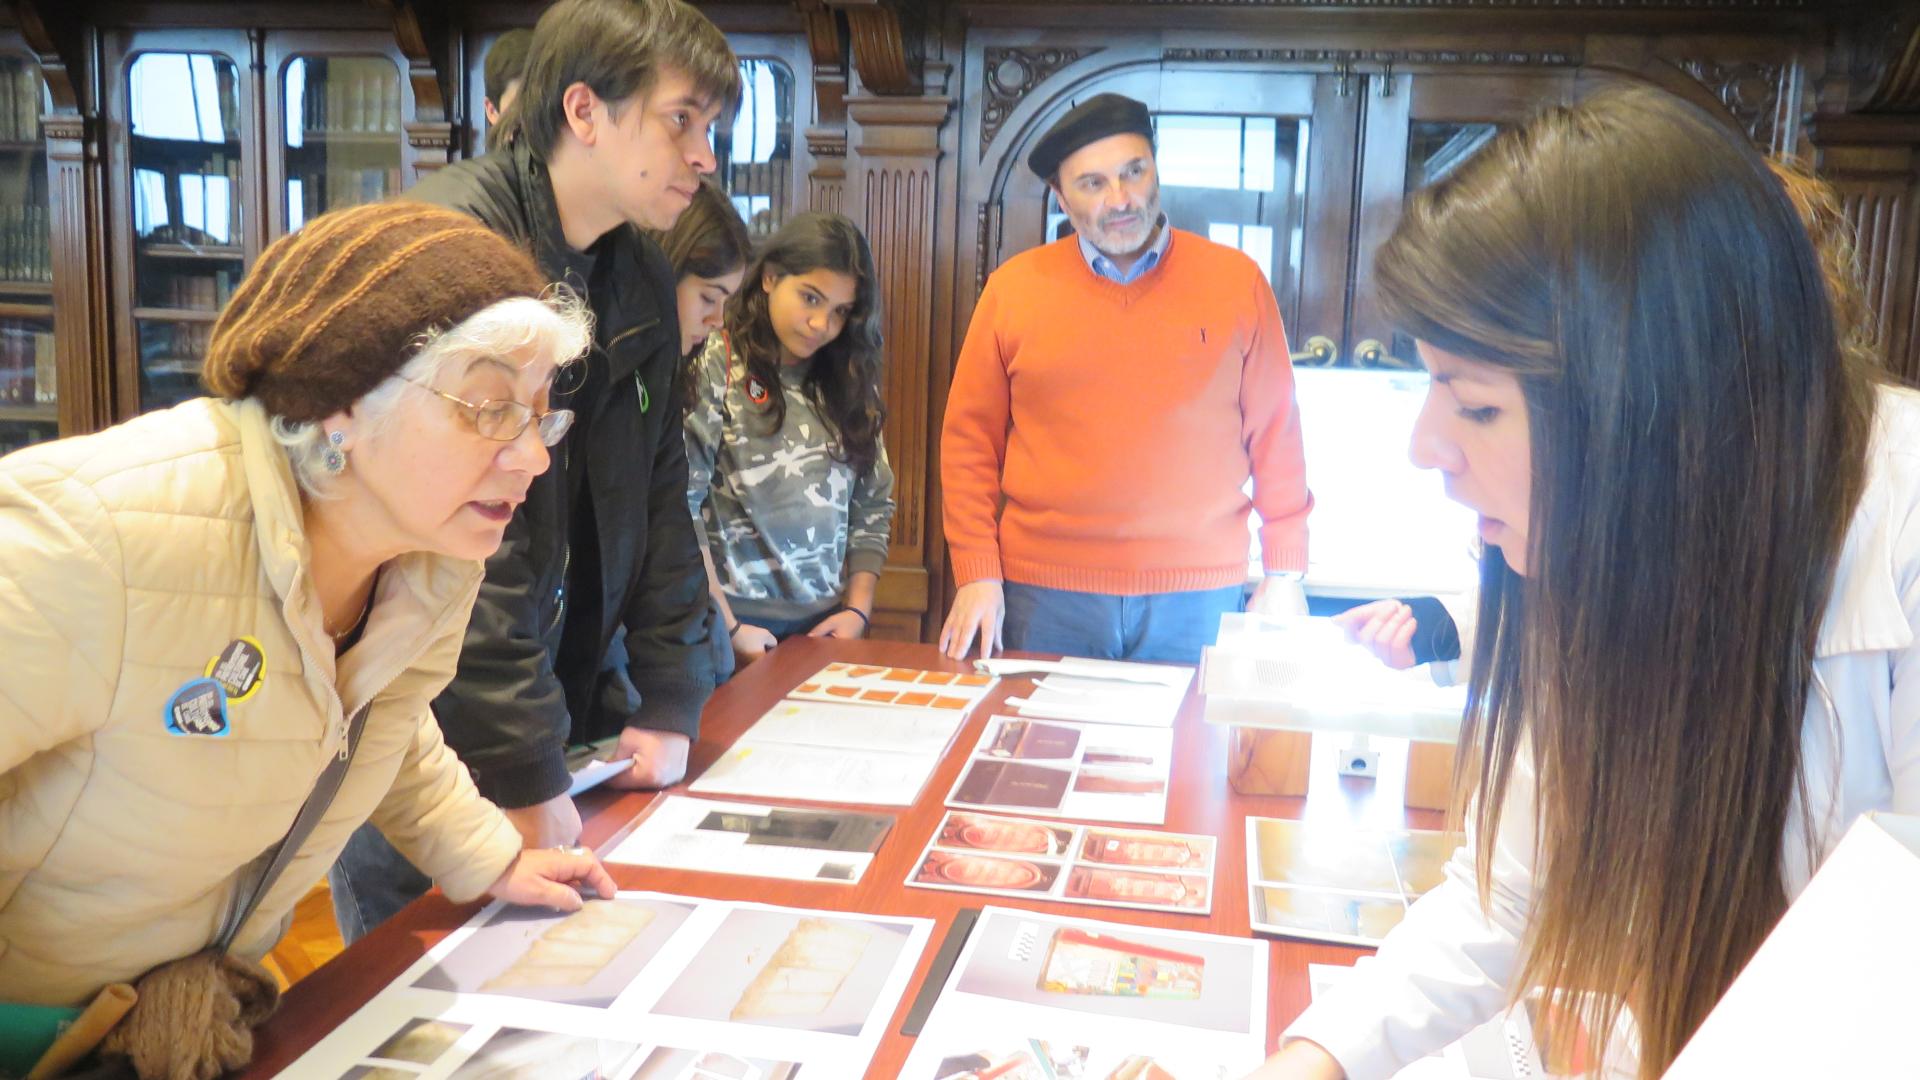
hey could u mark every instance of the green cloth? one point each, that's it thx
(25, 1033)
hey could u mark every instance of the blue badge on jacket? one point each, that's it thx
(198, 708)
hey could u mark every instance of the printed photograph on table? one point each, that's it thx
(670, 1063)
(1116, 970)
(1090, 772)
(811, 972)
(1007, 856)
(522, 1054)
(685, 833)
(585, 958)
(1331, 882)
(897, 687)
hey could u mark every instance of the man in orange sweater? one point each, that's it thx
(1116, 391)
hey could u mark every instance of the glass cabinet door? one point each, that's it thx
(343, 134)
(755, 150)
(29, 409)
(189, 248)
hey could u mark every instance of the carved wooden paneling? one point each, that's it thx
(895, 193)
(77, 189)
(1763, 96)
(1881, 212)
(1009, 73)
(827, 182)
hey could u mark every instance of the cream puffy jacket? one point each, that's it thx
(129, 560)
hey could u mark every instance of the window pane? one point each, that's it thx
(343, 132)
(755, 149)
(188, 224)
(1436, 148)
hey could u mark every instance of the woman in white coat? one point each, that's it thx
(1695, 661)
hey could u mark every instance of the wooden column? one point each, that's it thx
(77, 190)
(893, 191)
(1873, 162)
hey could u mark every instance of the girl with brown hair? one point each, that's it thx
(1695, 661)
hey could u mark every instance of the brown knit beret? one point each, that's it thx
(333, 310)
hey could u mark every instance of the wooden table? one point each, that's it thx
(1199, 802)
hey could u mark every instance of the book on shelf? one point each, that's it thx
(27, 375)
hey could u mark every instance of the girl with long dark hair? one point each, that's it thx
(709, 248)
(788, 475)
(1695, 659)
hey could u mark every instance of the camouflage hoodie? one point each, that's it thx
(787, 522)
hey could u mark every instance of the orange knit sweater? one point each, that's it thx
(1098, 437)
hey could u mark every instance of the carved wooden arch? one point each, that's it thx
(58, 44)
(1669, 76)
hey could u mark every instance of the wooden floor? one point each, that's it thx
(312, 939)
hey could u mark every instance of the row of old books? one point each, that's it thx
(354, 98)
(22, 100)
(25, 251)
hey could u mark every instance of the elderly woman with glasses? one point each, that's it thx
(223, 624)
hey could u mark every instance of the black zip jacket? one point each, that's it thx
(520, 697)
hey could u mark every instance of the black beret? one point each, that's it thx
(1090, 121)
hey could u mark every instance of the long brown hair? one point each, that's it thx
(844, 379)
(1699, 437)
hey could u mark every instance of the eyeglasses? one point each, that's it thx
(504, 421)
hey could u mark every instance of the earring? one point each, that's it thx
(332, 458)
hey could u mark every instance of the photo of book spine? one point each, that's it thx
(804, 973)
(572, 951)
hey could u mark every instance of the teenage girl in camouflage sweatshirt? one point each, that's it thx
(787, 472)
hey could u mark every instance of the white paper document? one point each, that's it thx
(1167, 675)
(834, 753)
(684, 833)
(597, 772)
(1094, 772)
(1041, 995)
(645, 985)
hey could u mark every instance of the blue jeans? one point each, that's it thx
(1167, 628)
(371, 882)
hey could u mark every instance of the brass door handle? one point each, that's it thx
(1320, 352)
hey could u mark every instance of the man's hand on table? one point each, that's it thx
(659, 759)
(552, 876)
(980, 607)
(553, 823)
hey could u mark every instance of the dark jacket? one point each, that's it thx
(519, 697)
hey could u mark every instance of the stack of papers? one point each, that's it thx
(874, 754)
(1099, 691)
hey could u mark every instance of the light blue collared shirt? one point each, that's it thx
(1107, 268)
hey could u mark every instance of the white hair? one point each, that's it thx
(555, 327)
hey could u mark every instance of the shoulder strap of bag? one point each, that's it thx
(311, 811)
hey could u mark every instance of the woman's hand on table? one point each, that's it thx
(751, 642)
(547, 824)
(552, 877)
(841, 624)
(1385, 628)
(1300, 1060)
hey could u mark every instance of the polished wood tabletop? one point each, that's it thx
(1199, 801)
